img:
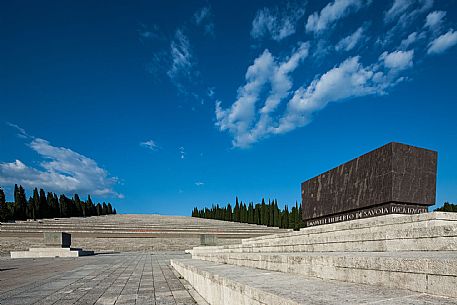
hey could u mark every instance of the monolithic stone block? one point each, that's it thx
(393, 179)
(208, 240)
(57, 239)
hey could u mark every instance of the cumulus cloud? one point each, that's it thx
(241, 119)
(398, 60)
(62, 170)
(150, 144)
(349, 42)
(331, 13)
(276, 23)
(443, 42)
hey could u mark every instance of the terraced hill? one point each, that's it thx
(128, 232)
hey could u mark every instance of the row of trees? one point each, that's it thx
(268, 214)
(448, 207)
(41, 205)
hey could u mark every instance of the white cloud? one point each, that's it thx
(398, 7)
(22, 133)
(149, 32)
(150, 144)
(276, 23)
(434, 20)
(397, 60)
(405, 43)
(204, 17)
(331, 13)
(181, 56)
(62, 171)
(349, 42)
(199, 183)
(404, 13)
(182, 152)
(443, 42)
(348, 80)
(241, 119)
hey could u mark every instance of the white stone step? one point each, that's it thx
(222, 284)
(434, 231)
(50, 252)
(415, 271)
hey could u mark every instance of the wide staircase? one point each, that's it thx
(128, 232)
(392, 259)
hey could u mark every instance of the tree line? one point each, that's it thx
(41, 205)
(447, 207)
(268, 214)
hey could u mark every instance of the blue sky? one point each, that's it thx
(160, 106)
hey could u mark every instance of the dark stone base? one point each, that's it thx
(383, 209)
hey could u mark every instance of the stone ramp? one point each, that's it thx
(412, 252)
(227, 284)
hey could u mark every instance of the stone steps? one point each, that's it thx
(425, 232)
(227, 284)
(412, 252)
(416, 271)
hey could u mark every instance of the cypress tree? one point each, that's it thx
(16, 208)
(89, 206)
(104, 209)
(114, 212)
(237, 211)
(110, 209)
(35, 205)
(43, 205)
(78, 211)
(229, 212)
(56, 206)
(99, 209)
(285, 223)
(4, 210)
(276, 218)
(263, 213)
(297, 217)
(63, 203)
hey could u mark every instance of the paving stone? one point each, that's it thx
(112, 279)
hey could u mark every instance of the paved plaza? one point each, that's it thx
(117, 278)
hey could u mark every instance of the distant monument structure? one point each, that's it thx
(393, 179)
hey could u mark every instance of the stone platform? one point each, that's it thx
(51, 252)
(104, 279)
(405, 254)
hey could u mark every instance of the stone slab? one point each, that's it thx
(393, 173)
(222, 284)
(407, 270)
(57, 239)
(122, 278)
(50, 252)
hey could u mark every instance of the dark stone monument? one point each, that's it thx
(393, 179)
(57, 239)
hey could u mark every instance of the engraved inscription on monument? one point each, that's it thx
(393, 179)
